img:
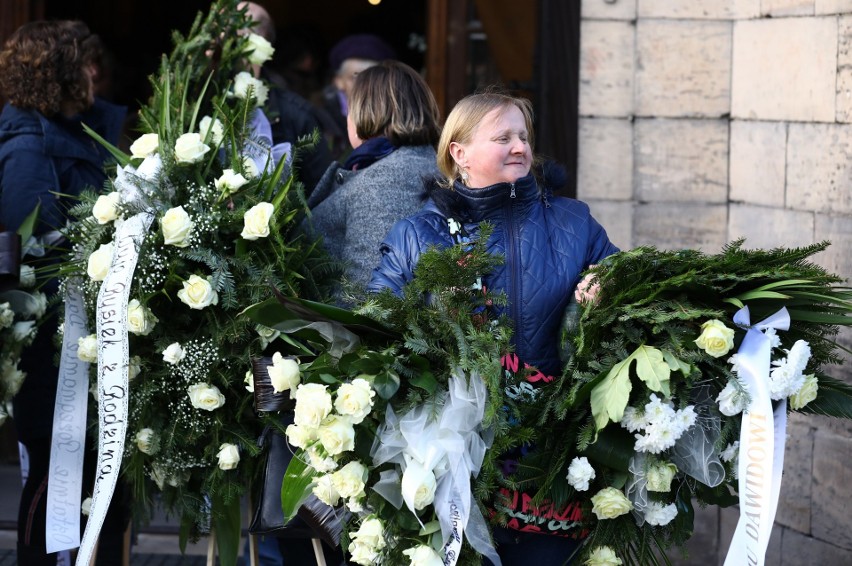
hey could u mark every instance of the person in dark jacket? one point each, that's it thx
(485, 154)
(46, 73)
(393, 126)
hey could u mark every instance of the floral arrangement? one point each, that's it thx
(646, 418)
(223, 233)
(21, 310)
(399, 416)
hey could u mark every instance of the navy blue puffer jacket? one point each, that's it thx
(547, 244)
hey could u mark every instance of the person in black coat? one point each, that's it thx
(47, 73)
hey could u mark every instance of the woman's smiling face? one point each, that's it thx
(498, 151)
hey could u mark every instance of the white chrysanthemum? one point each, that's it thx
(658, 410)
(658, 514)
(799, 355)
(685, 418)
(580, 473)
(633, 419)
(730, 452)
(659, 436)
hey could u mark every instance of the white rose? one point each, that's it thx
(732, 400)
(423, 555)
(324, 490)
(362, 554)
(313, 404)
(140, 319)
(603, 556)
(134, 368)
(337, 435)
(27, 278)
(418, 485)
(87, 348)
(197, 293)
(659, 477)
(24, 332)
(213, 128)
(177, 227)
(86, 506)
(190, 149)
(230, 181)
(7, 315)
(355, 399)
(244, 82)
(205, 396)
(147, 442)
(174, 353)
(259, 48)
(301, 436)
(580, 473)
(12, 376)
(371, 533)
(229, 456)
(145, 145)
(100, 262)
(249, 381)
(320, 461)
(284, 374)
(806, 393)
(106, 207)
(610, 503)
(716, 339)
(349, 480)
(250, 168)
(256, 220)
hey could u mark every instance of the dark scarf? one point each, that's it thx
(368, 153)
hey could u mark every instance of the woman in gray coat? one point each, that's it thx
(393, 126)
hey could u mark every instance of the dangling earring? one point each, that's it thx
(464, 177)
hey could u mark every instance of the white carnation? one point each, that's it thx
(580, 473)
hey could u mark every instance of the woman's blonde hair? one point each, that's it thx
(466, 116)
(391, 99)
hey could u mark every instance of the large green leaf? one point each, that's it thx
(652, 369)
(227, 527)
(295, 487)
(609, 397)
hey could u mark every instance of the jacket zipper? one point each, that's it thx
(512, 255)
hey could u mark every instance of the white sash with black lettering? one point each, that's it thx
(68, 441)
(113, 360)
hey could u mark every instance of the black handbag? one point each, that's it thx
(10, 260)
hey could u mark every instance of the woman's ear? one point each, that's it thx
(457, 152)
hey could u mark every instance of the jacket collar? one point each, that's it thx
(484, 203)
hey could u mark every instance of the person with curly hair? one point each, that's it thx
(47, 74)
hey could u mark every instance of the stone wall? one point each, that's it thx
(704, 121)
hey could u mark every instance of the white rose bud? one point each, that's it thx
(337, 435)
(355, 399)
(301, 436)
(349, 480)
(147, 442)
(190, 149)
(418, 485)
(313, 404)
(603, 556)
(87, 348)
(174, 353)
(256, 220)
(230, 181)
(371, 533)
(423, 555)
(86, 506)
(100, 262)
(716, 339)
(134, 368)
(205, 396)
(732, 400)
(106, 207)
(197, 293)
(806, 393)
(140, 319)
(284, 374)
(177, 227)
(260, 50)
(212, 128)
(659, 477)
(249, 381)
(145, 145)
(229, 456)
(244, 82)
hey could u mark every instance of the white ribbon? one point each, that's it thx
(113, 361)
(451, 445)
(68, 440)
(762, 439)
